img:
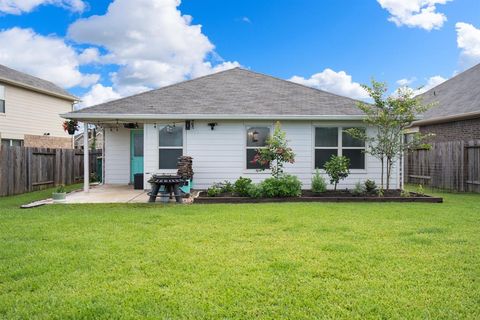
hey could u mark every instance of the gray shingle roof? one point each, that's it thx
(232, 92)
(459, 95)
(10, 75)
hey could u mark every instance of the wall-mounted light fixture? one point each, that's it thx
(253, 135)
(189, 124)
(212, 125)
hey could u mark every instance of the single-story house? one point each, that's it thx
(456, 111)
(219, 120)
(29, 111)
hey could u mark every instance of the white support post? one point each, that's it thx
(86, 158)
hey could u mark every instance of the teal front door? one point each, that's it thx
(136, 152)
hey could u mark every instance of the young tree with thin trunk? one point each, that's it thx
(389, 117)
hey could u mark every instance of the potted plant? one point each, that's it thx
(70, 126)
(59, 195)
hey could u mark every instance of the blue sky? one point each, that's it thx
(130, 48)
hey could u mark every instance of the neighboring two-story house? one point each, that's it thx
(30, 111)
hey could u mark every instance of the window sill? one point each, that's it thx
(254, 171)
(352, 171)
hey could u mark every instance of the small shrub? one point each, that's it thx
(289, 186)
(371, 186)
(319, 184)
(420, 190)
(60, 188)
(359, 189)
(405, 194)
(225, 186)
(255, 191)
(213, 191)
(381, 192)
(241, 186)
(270, 187)
(337, 169)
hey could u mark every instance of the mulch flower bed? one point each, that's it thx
(328, 196)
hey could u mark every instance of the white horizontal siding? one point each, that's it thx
(219, 154)
(117, 156)
(33, 113)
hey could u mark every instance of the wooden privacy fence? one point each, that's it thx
(30, 169)
(453, 165)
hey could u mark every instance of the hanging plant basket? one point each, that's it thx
(70, 126)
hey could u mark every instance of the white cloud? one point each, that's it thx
(415, 13)
(24, 6)
(336, 82)
(406, 82)
(154, 44)
(246, 20)
(468, 40)
(46, 57)
(89, 55)
(98, 94)
(431, 83)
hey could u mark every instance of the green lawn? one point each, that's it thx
(268, 261)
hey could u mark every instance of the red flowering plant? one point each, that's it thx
(70, 126)
(276, 152)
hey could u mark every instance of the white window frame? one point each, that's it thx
(245, 147)
(10, 142)
(160, 127)
(2, 98)
(339, 147)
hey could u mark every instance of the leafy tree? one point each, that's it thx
(276, 153)
(337, 169)
(390, 117)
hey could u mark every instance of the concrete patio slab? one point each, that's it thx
(108, 194)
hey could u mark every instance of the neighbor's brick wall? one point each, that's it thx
(457, 130)
(47, 142)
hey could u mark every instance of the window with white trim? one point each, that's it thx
(256, 139)
(12, 142)
(331, 141)
(2, 99)
(170, 146)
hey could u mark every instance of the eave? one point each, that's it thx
(99, 117)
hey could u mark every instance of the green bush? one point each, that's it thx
(289, 186)
(60, 188)
(284, 186)
(255, 191)
(337, 169)
(370, 186)
(359, 189)
(213, 191)
(269, 187)
(227, 186)
(319, 184)
(241, 186)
